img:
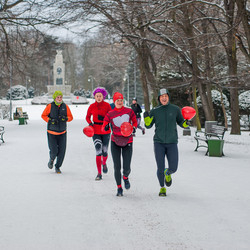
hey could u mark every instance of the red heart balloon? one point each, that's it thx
(126, 129)
(188, 112)
(89, 131)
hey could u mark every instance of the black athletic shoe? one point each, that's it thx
(58, 171)
(119, 192)
(105, 169)
(98, 177)
(143, 131)
(126, 183)
(50, 164)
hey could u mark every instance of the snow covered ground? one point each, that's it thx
(207, 206)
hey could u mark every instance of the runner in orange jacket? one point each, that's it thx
(57, 114)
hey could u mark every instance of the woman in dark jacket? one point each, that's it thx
(165, 117)
(137, 109)
(57, 114)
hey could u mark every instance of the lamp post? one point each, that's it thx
(11, 78)
(92, 84)
(9, 58)
(127, 77)
(27, 79)
(135, 77)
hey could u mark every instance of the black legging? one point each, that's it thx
(126, 152)
(57, 147)
(170, 151)
(101, 143)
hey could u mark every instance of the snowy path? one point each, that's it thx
(206, 208)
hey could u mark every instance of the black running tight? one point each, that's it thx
(126, 153)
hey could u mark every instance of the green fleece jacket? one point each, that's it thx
(165, 118)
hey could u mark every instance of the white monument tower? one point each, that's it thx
(59, 76)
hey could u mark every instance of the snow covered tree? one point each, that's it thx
(31, 92)
(216, 99)
(80, 92)
(244, 102)
(129, 20)
(18, 92)
(243, 38)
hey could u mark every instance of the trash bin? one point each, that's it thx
(215, 147)
(21, 121)
(187, 131)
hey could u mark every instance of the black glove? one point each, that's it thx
(53, 121)
(91, 124)
(145, 114)
(100, 117)
(134, 130)
(63, 118)
(106, 128)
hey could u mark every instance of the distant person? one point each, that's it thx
(95, 115)
(165, 117)
(137, 109)
(57, 114)
(120, 145)
(112, 105)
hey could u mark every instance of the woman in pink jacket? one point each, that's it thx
(120, 145)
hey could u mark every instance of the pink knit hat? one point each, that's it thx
(101, 90)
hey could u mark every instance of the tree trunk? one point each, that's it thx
(235, 112)
(145, 88)
(242, 9)
(208, 73)
(188, 29)
(197, 117)
(232, 67)
(147, 76)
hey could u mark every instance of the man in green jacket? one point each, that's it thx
(165, 117)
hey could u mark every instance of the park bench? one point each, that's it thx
(21, 116)
(212, 134)
(1, 133)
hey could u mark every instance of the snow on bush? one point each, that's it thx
(4, 111)
(216, 99)
(31, 92)
(18, 92)
(244, 100)
(80, 92)
(244, 103)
